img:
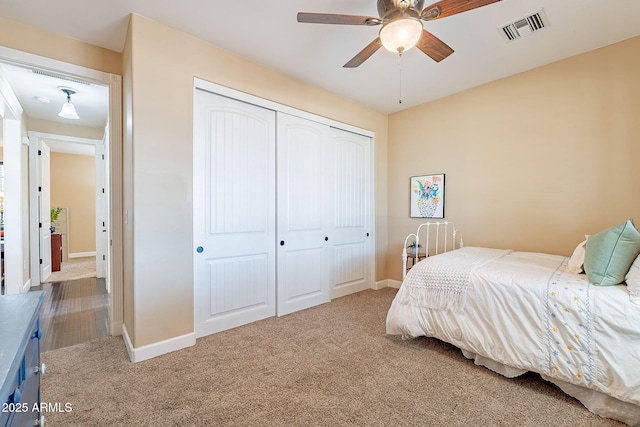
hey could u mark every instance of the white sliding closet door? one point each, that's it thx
(304, 211)
(234, 213)
(351, 219)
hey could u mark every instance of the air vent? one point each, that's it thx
(525, 26)
(60, 77)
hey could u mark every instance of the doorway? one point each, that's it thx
(72, 196)
(111, 154)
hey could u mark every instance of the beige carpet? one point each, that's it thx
(332, 365)
(75, 268)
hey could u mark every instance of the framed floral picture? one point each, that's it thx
(427, 196)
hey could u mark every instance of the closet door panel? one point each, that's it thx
(304, 263)
(241, 283)
(234, 213)
(302, 277)
(351, 219)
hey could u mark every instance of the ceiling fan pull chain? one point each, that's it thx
(400, 69)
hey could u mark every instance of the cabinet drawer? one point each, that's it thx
(32, 352)
(30, 388)
(16, 386)
(4, 416)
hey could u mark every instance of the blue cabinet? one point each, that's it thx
(20, 368)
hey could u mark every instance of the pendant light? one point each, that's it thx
(68, 109)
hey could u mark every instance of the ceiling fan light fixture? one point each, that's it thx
(68, 110)
(401, 34)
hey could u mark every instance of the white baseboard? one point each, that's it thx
(156, 349)
(394, 283)
(26, 286)
(127, 342)
(387, 283)
(82, 254)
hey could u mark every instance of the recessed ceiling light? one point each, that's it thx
(42, 99)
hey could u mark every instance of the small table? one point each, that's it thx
(56, 251)
(414, 259)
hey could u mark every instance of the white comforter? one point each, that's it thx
(523, 310)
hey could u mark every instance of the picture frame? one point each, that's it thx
(427, 196)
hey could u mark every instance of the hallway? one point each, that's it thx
(74, 311)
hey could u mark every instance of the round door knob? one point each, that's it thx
(367, 234)
(199, 249)
(281, 242)
(37, 334)
(40, 369)
(326, 239)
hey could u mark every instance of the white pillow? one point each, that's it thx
(633, 281)
(577, 259)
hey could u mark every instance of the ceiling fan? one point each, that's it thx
(402, 26)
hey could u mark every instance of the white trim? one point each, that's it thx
(75, 139)
(265, 103)
(34, 215)
(26, 286)
(10, 108)
(30, 60)
(115, 218)
(81, 254)
(14, 216)
(127, 342)
(11, 117)
(387, 283)
(150, 351)
(117, 328)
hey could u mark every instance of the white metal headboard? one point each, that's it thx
(438, 236)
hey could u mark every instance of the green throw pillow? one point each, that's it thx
(610, 253)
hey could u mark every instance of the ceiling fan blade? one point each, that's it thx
(329, 18)
(364, 54)
(433, 46)
(445, 8)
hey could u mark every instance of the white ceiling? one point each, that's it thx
(267, 32)
(40, 96)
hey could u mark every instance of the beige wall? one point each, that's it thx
(73, 186)
(16, 35)
(163, 63)
(56, 128)
(532, 162)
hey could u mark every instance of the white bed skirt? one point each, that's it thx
(596, 402)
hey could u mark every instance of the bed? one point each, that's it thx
(514, 312)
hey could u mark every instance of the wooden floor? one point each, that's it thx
(73, 312)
